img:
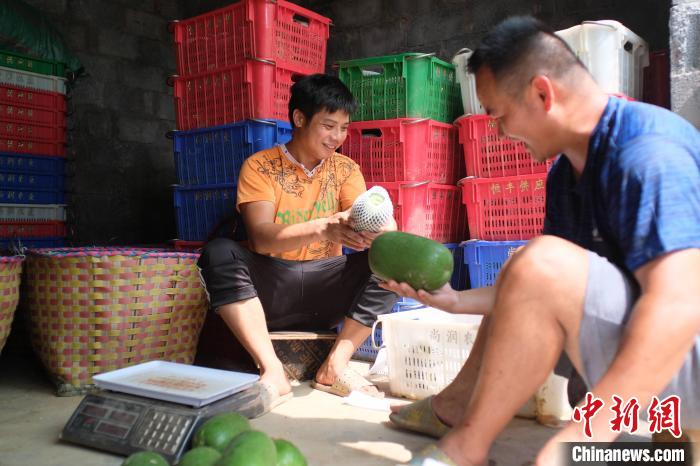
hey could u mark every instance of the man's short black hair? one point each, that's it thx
(521, 47)
(319, 92)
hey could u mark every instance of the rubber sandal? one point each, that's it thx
(271, 397)
(420, 417)
(348, 381)
(433, 453)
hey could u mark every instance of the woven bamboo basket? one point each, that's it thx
(10, 275)
(94, 310)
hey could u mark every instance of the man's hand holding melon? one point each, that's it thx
(415, 267)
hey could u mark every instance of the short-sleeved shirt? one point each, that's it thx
(299, 195)
(639, 194)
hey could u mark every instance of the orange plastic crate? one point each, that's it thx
(405, 149)
(487, 154)
(289, 35)
(427, 209)
(253, 89)
(504, 209)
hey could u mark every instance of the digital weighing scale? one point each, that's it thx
(160, 406)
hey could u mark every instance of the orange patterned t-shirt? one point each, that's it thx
(270, 175)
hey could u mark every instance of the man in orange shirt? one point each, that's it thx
(295, 202)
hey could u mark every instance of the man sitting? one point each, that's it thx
(295, 202)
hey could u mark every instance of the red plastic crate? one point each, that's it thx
(427, 209)
(405, 149)
(504, 209)
(487, 154)
(33, 98)
(32, 115)
(19, 129)
(657, 76)
(253, 89)
(188, 246)
(32, 146)
(31, 229)
(289, 35)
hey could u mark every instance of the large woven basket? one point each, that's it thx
(10, 274)
(94, 310)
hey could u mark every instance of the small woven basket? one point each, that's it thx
(10, 275)
(94, 310)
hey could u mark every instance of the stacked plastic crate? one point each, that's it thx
(32, 152)
(236, 66)
(504, 190)
(403, 138)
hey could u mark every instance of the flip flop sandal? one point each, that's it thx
(420, 417)
(432, 452)
(271, 397)
(348, 381)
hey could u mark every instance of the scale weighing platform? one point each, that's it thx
(157, 406)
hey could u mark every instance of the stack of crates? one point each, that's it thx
(403, 139)
(32, 152)
(235, 66)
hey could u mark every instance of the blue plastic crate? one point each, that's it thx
(199, 209)
(31, 179)
(214, 155)
(485, 259)
(366, 352)
(18, 243)
(460, 277)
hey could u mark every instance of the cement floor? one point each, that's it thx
(328, 432)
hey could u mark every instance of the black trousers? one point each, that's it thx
(295, 295)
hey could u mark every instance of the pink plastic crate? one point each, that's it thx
(289, 35)
(504, 209)
(405, 149)
(427, 209)
(253, 89)
(487, 154)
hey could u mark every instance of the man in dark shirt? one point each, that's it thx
(613, 282)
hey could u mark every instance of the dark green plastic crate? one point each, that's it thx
(35, 65)
(414, 85)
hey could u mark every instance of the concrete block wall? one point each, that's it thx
(685, 59)
(120, 164)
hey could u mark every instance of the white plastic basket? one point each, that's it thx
(41, 82)
(55, 212)
(426, 349)
(614, 55)
(467, 83)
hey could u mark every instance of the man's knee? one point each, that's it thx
(543, 261)
(219, 251)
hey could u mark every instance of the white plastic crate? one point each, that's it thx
(55, 212)
(426, 349)
(41, 82)
(614, 55)
(467, 83)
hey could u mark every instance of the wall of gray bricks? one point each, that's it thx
(685, 59)
(120, 164)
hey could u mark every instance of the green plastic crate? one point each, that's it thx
(413, 85)
(35, 65)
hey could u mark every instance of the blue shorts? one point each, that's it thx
(610, 297)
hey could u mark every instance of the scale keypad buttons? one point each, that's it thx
(162, 430)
